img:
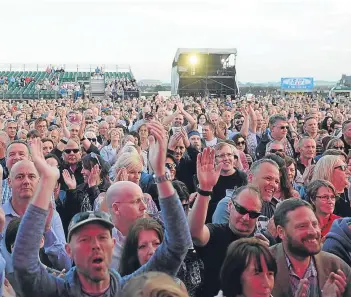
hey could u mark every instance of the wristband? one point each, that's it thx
(82, 139)
(204, 193)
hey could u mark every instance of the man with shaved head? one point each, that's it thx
(23, 181)
(125, 204)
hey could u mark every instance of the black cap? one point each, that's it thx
(87, 217)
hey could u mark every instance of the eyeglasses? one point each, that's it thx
(243, 211)
(228, 155)
(339, 148)
(326, 197)
(240, 142)
(341, 167)
(92, 139)
(68, 151)
(134, 202)
(171, 165)
(273, 151)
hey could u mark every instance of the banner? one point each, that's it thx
(297, 83)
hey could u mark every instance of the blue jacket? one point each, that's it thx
(338, 240)
(36, 281)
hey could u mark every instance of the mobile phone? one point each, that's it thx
(176, 130)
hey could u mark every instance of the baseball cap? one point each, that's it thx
(82, 218)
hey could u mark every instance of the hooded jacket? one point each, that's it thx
(338, 240)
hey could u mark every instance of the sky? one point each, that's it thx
(274, 39)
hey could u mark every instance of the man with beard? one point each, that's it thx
(303, 269)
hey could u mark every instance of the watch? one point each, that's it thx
(162, 178)
(203, 193)
(64, 140)
(82, 139)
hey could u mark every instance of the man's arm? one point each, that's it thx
(31, 274)
(207, 175)
(245, 127)
(171, 253)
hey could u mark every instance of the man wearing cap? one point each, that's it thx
(90, 242)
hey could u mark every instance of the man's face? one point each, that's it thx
(347, 131)
(116, 114)
(23, 180)
(308, 149)
(89, 113)
(227, 158)
(16, 152)
(11, 129)
(42, 128)
(91, 249)
(279, 130)
(72, 153)
(275, 147)
(195, 142)
(179, 150)
(226, 117)
(301, 235)
(178, 121)
(267, 179)
(311, 126)
(259, 121)
(54, 136)
(242, 224)
(47, 147)
(213, 118)
(238, 123)
(207, 133)
(111, 123)
(74, 130)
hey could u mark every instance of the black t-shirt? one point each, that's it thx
(213, 254)
(238, 179)
(343, 205)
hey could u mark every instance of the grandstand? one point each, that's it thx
(50, 83)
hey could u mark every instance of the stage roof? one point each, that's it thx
(215, 51)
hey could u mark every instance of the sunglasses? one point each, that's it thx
(273, 151)
(243, 211)
(240, 143)
(92, 139)
(341, 167)
(339, 147)
(171, 165)
(284, 127)
(68, 151)
(239, 122)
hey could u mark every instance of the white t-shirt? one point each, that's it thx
(211, 143)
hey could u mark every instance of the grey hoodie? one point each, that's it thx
(36, 281)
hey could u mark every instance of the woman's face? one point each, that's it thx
(340, 176)
(240, 144)
(329, 121)
(256, 283)
(114, 135)
(338, 145)
(291, 172)
(325, 201)
(172, 167)
(134, 174)
(143, 131)
(148, 242)
(202, 120)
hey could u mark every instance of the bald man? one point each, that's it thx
(23, 181)
(125, 204)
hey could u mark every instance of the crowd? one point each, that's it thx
(176, 197)
(115, 87)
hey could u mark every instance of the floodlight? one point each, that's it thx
(222, 61)
(193, 60)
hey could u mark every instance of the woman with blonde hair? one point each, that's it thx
(153, 284)
(334, 170)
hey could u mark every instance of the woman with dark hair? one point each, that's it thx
(81, 198)
(325, 125)
(285, 189)
(248, 269)
(201, 120)
(322, 196)
(240, 144)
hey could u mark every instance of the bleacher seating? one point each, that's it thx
(29, 91)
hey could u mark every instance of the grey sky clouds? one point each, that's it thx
(273, 38)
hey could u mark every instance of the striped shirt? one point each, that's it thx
(310, 274)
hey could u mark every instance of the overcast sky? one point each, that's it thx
(274, 38)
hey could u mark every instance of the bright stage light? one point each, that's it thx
(193, 60)
(222, 61)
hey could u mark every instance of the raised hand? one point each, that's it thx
(94, 176)
(70, 180)
(207, 172)
(185, 137)
(81, 129)
(157, 147)
(174, 141)
(122, 174)
(44, 169)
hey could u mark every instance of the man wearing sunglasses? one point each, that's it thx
(279, 127)
(212, 240)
